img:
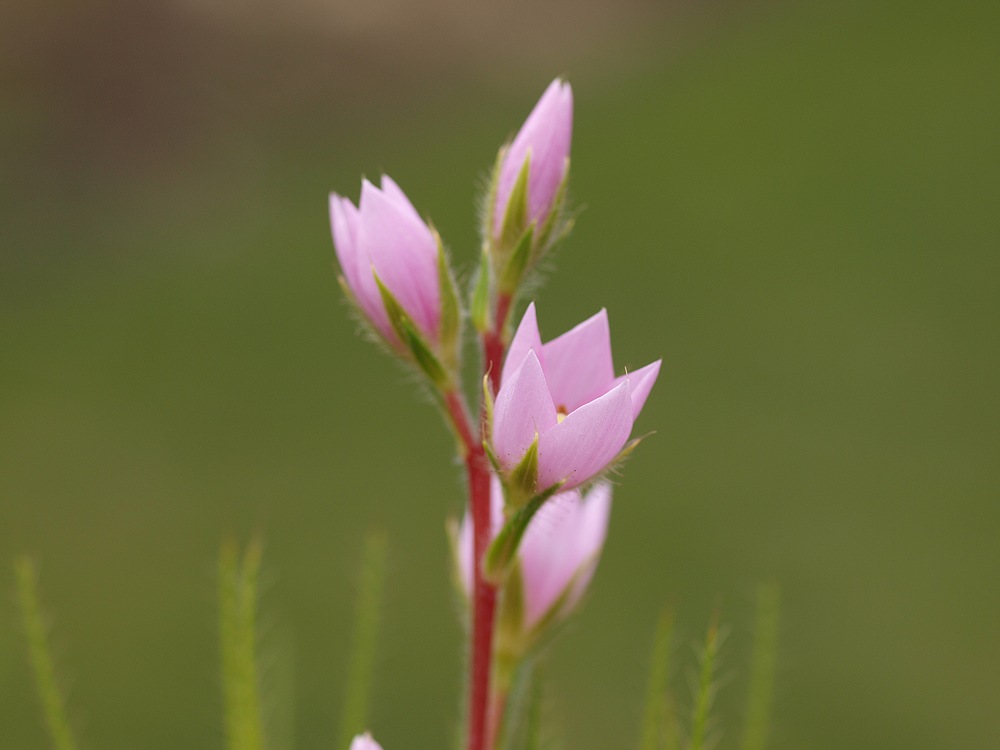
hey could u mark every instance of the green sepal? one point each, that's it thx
(408, 333)
(345, 287)
(510, 644)
(625, 452)
(502, 552)
(451, 315)
(518, 262)
(555, 219)
(481, 295)
(487, 406)
(494, 461)
(519, 484)
(491, 199)
(516, 211)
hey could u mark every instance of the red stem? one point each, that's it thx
(482, 726)
(483, 594)
(493, 343)
(484, 607)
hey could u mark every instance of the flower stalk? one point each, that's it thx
(551, 417)
(484, 594)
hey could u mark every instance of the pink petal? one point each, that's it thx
(343, 223)
(356, 265)
(404, 254)
(395, 194)
(586, 441)
(590, 532)
(364, 742)
(523, 409)
(546, 135)
(526, 339)
(561, 547)
(578, 365)
(641, 383)
(547, 555)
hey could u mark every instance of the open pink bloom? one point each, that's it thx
(545, 136)
(386, 235)
(559, 551)
(565, 394)
(364, 742)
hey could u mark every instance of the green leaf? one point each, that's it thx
(451, 314)
(516, 212)
(502, 552)
(655, 719)
(509, 646)
(411, 337)
(355, 713)
(517, 263)
(520, 482)
(40, 657)
(487, 408)
(491, 199)
(481, 296)
(624, 453)
(238, 637)
(765, 648)
(494, 461)
(707, 687)
(548, 236)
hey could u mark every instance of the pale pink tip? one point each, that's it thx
(364, 742)
(385, 236)
(544, 138)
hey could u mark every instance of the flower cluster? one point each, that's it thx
(556, 416)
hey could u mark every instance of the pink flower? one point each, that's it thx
(558, 554)
(385, 235)
(565, 395)
(365, 742)
(545, 139)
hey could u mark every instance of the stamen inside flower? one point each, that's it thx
(561, 413)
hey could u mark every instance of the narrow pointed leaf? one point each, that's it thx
(355, 713)
(40, 657)
(238, 635)
(765, 647)
(487, 406)
(548, 236)
(509, 628)
(408, 333)
(451, 314)
(516, 214)
(517, 263)
(502, 552)
(491, 200)
(523, 478)
(494, 461)
(481, 296)
(654, 724)
(707, 688)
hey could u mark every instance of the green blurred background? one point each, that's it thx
(794, 204)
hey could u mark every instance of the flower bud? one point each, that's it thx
(555, 561)
(531, 173)
(560, 410)
(364, 742)
(385, 238)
